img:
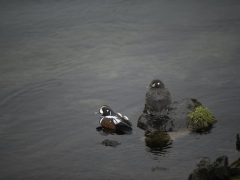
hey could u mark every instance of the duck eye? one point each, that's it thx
(159, 83)
(107, 110)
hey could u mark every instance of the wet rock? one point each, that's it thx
(219, 170)
(175, 118)
(111, 143)
(204, 162)
(238, 143)
(235, 168)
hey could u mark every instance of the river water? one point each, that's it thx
(61, 60)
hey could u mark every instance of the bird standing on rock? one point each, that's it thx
(158, 98)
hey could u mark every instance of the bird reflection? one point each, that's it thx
(119, 131)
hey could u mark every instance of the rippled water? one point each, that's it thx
(61, 60)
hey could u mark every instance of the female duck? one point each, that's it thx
(158, 97)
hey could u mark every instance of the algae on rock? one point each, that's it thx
(201, 117)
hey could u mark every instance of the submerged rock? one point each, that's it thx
(218, 170)
(175, 118)
(158, 140)
(238, 142)
(111, 143)
(235, 168)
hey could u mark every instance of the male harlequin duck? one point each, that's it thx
(111, 120)
(157, 98)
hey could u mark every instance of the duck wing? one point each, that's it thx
(124, 119)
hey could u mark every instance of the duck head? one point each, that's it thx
(156, 83)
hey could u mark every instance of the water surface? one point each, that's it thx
(61, 60)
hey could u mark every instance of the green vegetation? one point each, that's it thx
(201, 117)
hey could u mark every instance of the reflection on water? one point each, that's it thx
(201, 131)
(158, 142)
(120, 131)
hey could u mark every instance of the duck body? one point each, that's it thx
(111, 120)
(158, 98)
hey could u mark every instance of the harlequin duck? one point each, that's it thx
(111, 120)
(157, 98)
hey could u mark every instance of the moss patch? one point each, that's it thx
(201, 117)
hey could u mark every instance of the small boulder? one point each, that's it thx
(218, 170)
(235, 168)
(111, 143)
(175, 118)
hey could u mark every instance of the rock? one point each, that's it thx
(219, 170)
(199, 174)
(235, 168)
(158, 168)
(173, 120)
(111, 143)
(238, 143)
(204, 162)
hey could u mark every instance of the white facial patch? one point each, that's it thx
(153, 85)
(101, 111)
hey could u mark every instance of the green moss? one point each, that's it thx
(201, 117)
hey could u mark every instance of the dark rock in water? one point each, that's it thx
(111, 143)
(204, 162)
(175, 118)
(219, 170)
(238, 143)
(158, 168)
(235, 168)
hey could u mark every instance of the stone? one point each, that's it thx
(111, 143)
(175, 118)
(218, 170)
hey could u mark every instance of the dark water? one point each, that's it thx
(61, 60)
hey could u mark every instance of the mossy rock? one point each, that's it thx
(158, 140)
(201, 117)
